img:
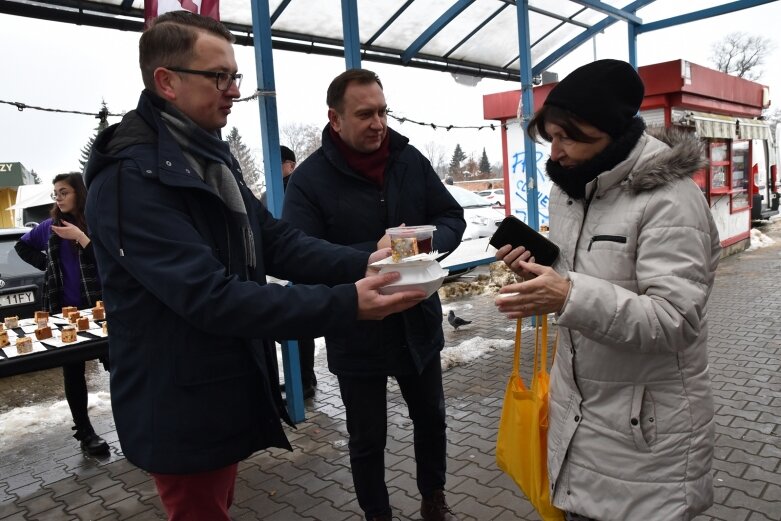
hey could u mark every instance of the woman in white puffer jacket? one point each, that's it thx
(631, 408)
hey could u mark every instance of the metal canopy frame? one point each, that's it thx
(127, 15)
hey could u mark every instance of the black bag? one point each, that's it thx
(515, 232)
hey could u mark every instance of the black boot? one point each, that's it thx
(91, 443)
(435, 508)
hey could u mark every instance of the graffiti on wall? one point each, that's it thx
(518, 164)
(520, 186)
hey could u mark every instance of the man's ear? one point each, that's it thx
(165, 83)
(334, 119)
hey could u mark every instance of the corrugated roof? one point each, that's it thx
(478, 37)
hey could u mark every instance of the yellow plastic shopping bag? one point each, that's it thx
(521, 445)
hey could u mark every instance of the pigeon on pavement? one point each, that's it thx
(456, 321)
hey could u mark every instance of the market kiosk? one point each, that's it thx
(740, 181)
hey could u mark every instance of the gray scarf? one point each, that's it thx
(211, 159)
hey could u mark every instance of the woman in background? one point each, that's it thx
(61, 247)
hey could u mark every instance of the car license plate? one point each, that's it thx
(14, 299)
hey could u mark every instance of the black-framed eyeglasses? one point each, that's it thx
(223, 80)
(62, 194)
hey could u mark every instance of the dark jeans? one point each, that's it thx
(569, 516)
(365, 405)
(306, 353)
(75, 383)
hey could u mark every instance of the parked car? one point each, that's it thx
(21, 285)
(496, 196)
(481, 217)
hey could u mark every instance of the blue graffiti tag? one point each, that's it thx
(519, 160)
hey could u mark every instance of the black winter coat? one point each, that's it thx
(194, 380)
(327, 199)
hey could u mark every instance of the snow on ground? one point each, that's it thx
(36, 419)
(469, 350)
(759, 240)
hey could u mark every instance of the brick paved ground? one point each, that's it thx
(45, 477)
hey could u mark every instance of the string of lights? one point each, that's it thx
(103, 114)
(22, 106)
(257, 94)
(435, 126)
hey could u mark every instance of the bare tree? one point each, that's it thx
(435, 153)
(741, 54)
(301, 138)
(471, 167)
(773, 117)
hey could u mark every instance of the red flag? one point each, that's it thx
(153, 8)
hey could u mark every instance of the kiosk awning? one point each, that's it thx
(711, 125)
(753, 129)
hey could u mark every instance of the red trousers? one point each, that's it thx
(205, 496)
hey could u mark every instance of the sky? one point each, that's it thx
(68, 67)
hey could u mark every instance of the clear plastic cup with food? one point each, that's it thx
(407, 241)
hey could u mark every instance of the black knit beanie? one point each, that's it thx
(604, 93)
(287, 154)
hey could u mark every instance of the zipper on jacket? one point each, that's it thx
(610, 238)
(574, 263)
(586, 206)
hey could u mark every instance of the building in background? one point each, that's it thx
(12, 176)
(740, 181)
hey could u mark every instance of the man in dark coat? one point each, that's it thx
(306, 346)
(364, 179)
(183, 249)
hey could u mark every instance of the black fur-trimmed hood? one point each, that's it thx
(658, 165)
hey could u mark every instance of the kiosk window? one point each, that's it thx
(719, 166)
(740, 162)
(739, 196)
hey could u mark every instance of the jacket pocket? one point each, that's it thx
(606, 238)
(642, 420)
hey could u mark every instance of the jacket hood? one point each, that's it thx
(670, 154)
(110, 143)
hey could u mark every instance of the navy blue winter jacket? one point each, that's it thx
(194, 380)
(327, 199)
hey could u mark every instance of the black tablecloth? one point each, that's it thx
(95, 347)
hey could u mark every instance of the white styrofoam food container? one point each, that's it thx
(424, 275)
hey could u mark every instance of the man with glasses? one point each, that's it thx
(183, 249)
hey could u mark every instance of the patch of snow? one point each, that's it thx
(35, 419)
(469, 350)
(456, 306)
(759, 240)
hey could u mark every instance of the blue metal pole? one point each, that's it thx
(350, 30)
(527, 100)
(269, 134)
(269, 123)
(632, 43)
